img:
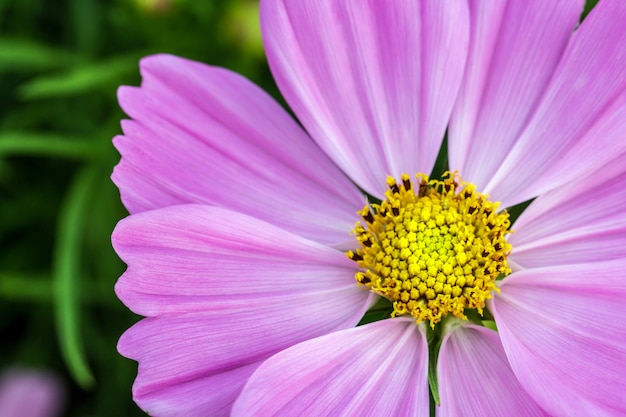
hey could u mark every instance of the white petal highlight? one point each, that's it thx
(514, 49)
(373, 82)
(580, 124)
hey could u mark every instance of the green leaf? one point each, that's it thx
(26, 55)
(434, 344)
(434, 338)
(66, 274)
(432, 382)
(47, 144)
(81, 79)
(381, 310)
(490, 324)
(39, 289)
(31, 288)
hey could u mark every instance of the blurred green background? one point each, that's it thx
(60, 65)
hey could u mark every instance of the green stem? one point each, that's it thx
(29, 143)
(66, 271)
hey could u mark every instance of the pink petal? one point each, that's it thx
(372, 82)
(210, 395)
(200, 350)
(202, 134)
(379, 369)
(563, 331)
(194, 257)
(582, 221)
(197, 364)
(475, 378)
(580, 123)
(515, 47)
(228, 291)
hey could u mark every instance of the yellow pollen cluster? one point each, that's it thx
(434, 250)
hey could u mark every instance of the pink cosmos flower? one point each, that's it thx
(241, 219)
(30, 393)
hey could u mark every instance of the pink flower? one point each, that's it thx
(241, 220)
(30, 393)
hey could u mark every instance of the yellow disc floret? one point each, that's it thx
(433, 250)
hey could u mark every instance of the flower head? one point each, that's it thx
(255, 247)
(433, 251)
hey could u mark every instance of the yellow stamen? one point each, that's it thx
(433, 251)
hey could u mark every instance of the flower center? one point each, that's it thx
(433, 250)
